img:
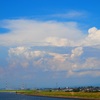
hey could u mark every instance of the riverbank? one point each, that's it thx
(62, 94)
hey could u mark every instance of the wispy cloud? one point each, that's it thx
(71, 14)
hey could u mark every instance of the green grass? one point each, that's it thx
(92, 95)
(7, 90)
(89, 95)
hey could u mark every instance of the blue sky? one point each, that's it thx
(48, 42)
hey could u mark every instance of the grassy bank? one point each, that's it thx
(88, 95)
(8, 90)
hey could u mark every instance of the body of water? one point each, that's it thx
(14, 96)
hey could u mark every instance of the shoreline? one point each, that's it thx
(80, 98)
(56, 94)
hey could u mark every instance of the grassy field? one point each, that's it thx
(91, 95)
(7, 90)
(87, 95)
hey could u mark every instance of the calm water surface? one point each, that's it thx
(13, 96)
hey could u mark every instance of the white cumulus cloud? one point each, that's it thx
(93, 38)
(46, 61)
(24, 32)
(77, 52)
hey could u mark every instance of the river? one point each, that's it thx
(14, 96)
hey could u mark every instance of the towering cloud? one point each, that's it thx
(77, 52)
(47, 33)
(66, 43)
(93, 38)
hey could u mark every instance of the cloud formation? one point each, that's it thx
(77, 52)
(24, 35)
(26, 57)
(92, 38)
(47, 33)
(31, 32)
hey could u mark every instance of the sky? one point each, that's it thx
(49, 43)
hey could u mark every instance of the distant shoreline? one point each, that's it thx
(57, 94)
(63, 97)
(80, 98)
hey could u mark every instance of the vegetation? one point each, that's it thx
(91, 95)
(50, 93)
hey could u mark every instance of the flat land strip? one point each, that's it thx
(84, 95)
(61, 94)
